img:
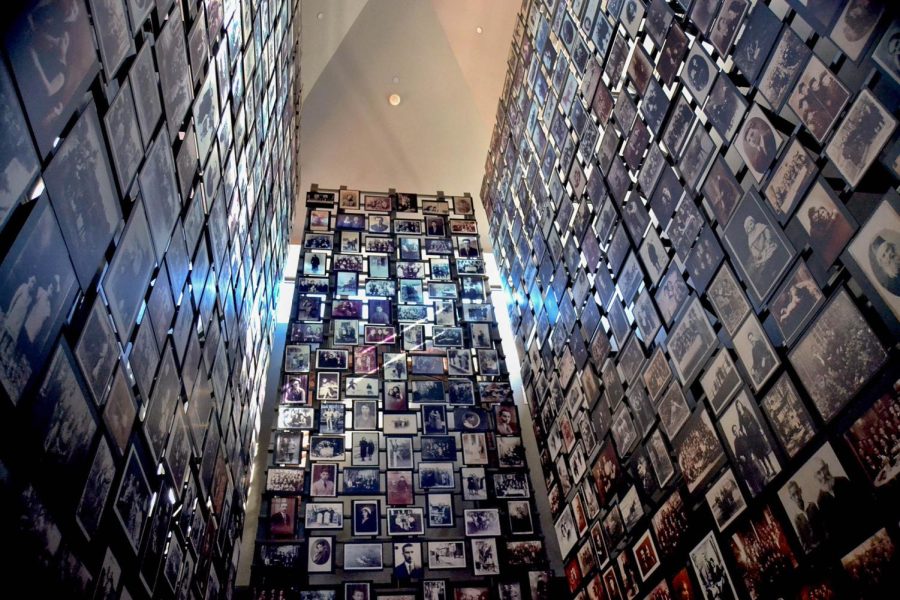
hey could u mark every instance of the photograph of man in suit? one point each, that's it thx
(411, 565)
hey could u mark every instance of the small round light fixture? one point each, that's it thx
(320, 16)
(396, 79)
(394, 99)
(479, 30)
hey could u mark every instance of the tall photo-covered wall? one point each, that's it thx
(695, 214)
(397, 467)
(146, 182)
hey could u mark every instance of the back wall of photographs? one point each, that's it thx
(695, 214)
(148, 171)
(397, 465)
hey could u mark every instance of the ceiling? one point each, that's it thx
(450, 79)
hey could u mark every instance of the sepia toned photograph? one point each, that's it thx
(785, 64)
(872, 566)
(859, 138)
(720, 381)
(787, 415)
(875, 440)
(725, 500)
(818, 98)
(691, 341)
(876, 250)
(711, 571)
(758, 247)
(749, 444)
(763, 555)
(755, 352)
(698, 450)
(837, 355)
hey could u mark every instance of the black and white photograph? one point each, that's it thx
(871, 565)
(876, 251)
(818, 98)
(485, 558)
(324, 515)
(407, 561)
(133, 500)
(330, 358)
(837, 355)
(294, 388)
(566, 531)
(795, 302)
(511, 485)
(96, 490)
(358, 591)
(793, 174)
(324, 480)
(438, 448)
(758, 142)
(447, 554)
(749, 444)
(711, 571)
(434, 419)
(405, 521)
(474, 485)
(296, 358)
(366, 517)
(174, 72)
(874, 437)
(365, 414)
(763, 555)
(691, 341)
(827, 224)
(436, 476)
(440, 510)
(698, 449)
(364, 450)
(699, 73)
(326, 447)
(124, 135)
(818, 499)
(363, 556)
(755, 352)
(287, 447)
(758, 246)
(859, 138)
(289, 481)
(321, 554)
(482, 522)
(474, 447)
(720, 381)
(725, 500)
(788, 416)
(785, 64)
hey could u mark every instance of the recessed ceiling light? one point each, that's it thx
(394, 99)
(396, 79)
(320, 16)
(479, 29)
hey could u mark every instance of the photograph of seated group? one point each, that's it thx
(397, 466)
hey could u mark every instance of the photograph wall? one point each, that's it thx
(147, 180)
(397, 466)
(694, 210)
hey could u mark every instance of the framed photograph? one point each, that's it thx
(446, 554)
(435, 226)
(399, 452)
(365, 414)
(434, 419)
(281, 555)
(348, 199)
(294, 389)
(461, 392)
(321, 554)
(763, 559)
(318, 241)
(331, 358)
(381, 288)
(379, 244)
(758, 247)
(795, 171)
(818, 98)
(309, 308)
(438, 447)
(378, 266)
(287, 481)
(725, 500)
(755, 352)
(440, 510)
(346, 283)
(405, 521)
(350, 242)
(413, 313)
(132, 504)
(425, 391)
(287, 447)
(377, 203)
(96, 490)
(395, 397)
(474, 447)
(877, 459)
(434, 589)
(296, 358)
(408, 226)
(859, 138)
(358, 591)
(365, 448)
(698, 450)
(400, 424)
(447, 337)
(320, 220)
(400, 488)
(485, 559)
(710, 569)
(380, 334)
(328, 385)
(282, 517)
(875, 249)
(788, 416)
(363, 556)
(436, 476)
(474, 486)
(721, 381)
(326, 447)
(511, 485)
(407, 561)
(482, 522)
(362, 387)
(366, 518)
(394, 366)
(795, 302)
(323, 478)
(645, 554)
(826, 222)
(691, 341)
(324, 515)
(749, 443)
(519, 514)
(837, 355)
(671, 524)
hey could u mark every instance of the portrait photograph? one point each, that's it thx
(330, 358)
(876, 251)
(309, 308)
(758, 247)
(827, 224)
(434, 589)
(347, 283)
(749, 444)
(408, 226)
(720, 381)
(405, 521)
(474, 446)
(324, 479)
(711, 570)
(296, 358)
(379, 288)
(691, 341)
(671, 294)
(124, 135)
(699, 73)
(366, 517)
(474, 483)
(282, 517)
(755, 352)
(321, 554)
(320, 220)
(399, 452)
(407, 561)
(358, 591)
(324, 515)
(795, 302)
(837, 355)
(721, 190)
(294, 388)
(859, 138)
(698, 450)
(281, 555)
(365, 414)
(758, 142)
(725, 500)
(348, 199)
(399, 488)
(132, 504)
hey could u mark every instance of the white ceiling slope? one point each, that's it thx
(321, 38)
(450, 79)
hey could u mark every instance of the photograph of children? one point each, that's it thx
(763, 555)
(698, 449)
(725, 500)
(819, 497)
(749, 443)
